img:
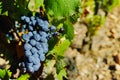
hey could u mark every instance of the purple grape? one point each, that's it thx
(30, 23)
(36, 37)
(35, 55)
(33, 50)
(45, 28)
(23, 18)
(46, 23)
(40, 51)
(28, 53)
(36, 67)
(30, 69)
(27, 19)
(33, 42)
(27, 46)
(49, 37)
(45, 47)
(52, 28)
(25, 37)
(32, 18)
(43, 39)
(33, 22)
(22, 64)
(24, 26)
(43, 34)
(39, 22)
(34, 32)
(30, 28)
(23, 30)
(61, 30)
(36, 61)
(38, 46)
(24, 70)
(11, 37)
(55, 34)
(30, 34)
(42, 57)
(30, 59)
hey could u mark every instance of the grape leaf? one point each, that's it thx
(61, 47)
(2, 73)
(24, 77)
(60, 64)
(61, 74)
(61, 8)
(60, 67)
(5, 74)
(69, 30)
(38, 3)
(49, 65)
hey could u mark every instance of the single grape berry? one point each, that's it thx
(33, 42)
(36, 37)
(23, 18)
(39, 22)
(33, 22)
(22, 64)
(30, 34)
(28, 53)
(30, 59)
(61, 30)
(30, 28)
(43, 34)
(25, 37)
(30, 69)
(43, 39)
(36, 67)
(34, 32)
(24, 70)
(52, 28)
(27, 46)
(32, 18)
(33, 50)
(27, 19)
(38, 45)
(36, 61)
(49, 37)
(42, 57)
(45, 28)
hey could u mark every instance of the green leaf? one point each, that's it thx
(61, 74)
(60, 64)
(60, 67)
(24, 77)
(5, 74)
(69, 30)
(35, 4)
(2, 73)
(49, 65)
(9, 73)
(61, 8)
(60, 47)
(38, 3)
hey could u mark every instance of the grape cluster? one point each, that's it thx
(36, 33)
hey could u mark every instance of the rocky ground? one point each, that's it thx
(99, 57)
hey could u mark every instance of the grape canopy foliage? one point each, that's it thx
(44, 28)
